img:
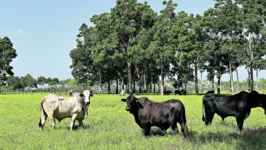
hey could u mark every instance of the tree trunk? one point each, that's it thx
(116, 88)
(231, 76)
(212, 83)
(257, 77)
(122, 85)
(251, 64)
(248, 80)
(162, 80)
(139, 79)
(201, 82)
(109, 87)
(101, 84)
(196, 79)
(237, 78)
(219, 85)
(134, 86)
(129, 77)
(147, 84)
(151, 84)
(154, 88)
(144, 82)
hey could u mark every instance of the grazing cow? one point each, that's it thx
(57, 107)
(167, 92)
(238, 105)
(161, 114)
(178, 92)
(182, 92)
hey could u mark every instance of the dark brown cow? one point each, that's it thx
(161, 114)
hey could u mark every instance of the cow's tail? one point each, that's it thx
(203, 111)
(42, 116)
(183, 119)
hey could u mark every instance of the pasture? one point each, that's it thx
(110, 126)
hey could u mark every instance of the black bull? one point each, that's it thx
(238, 105)
(161, 114)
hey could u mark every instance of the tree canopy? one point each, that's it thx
(134, 44)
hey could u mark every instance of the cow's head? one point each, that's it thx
(87, 94)
(132, 103)
(262, 102)
(257, 100)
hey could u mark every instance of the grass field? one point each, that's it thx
(110, 126)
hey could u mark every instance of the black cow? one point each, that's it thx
(178, 92)
(182, 92)
(167, 92)
(148, 113)
(238, 105)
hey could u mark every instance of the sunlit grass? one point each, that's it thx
(110, 126)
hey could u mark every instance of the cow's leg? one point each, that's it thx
(209, 117)
(73, 119)
(42, 120)
(184, 129)
(85, 111)
(52, 122)
(81, 123)
(174, 128)
(240, 122)
(147, 129)
(164, 132)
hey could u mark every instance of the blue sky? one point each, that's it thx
(44, 32)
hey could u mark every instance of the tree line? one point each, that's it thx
(138, 47)
(29, 83)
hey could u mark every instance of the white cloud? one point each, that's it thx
(20, 32)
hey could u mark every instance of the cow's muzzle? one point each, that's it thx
(88, 103)
(127, 109)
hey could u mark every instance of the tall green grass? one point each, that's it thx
(110, 126)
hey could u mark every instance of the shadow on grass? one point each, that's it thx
(156, 132)
(76, 127)
(246, 139)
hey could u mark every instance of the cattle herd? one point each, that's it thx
(148, 113)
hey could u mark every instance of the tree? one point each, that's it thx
(104, 49)
(82, 64)
(14, 82)
(161, 48)
(41, 80)
(28, 82)
(126, 18)
(53, 82)
(254, 15)
(224, 27)
(7, 54)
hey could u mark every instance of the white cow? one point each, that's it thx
(57, 107)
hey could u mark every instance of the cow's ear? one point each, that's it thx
(81, 95)
(139, 104)
(123, 100)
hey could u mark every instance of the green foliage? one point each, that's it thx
(7, 54)
(14, 82)
(133, 43)
(28, 81)
(41, 80)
